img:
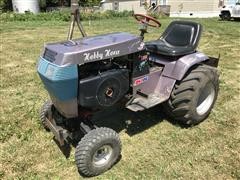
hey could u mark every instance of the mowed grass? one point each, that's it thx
(153, 147)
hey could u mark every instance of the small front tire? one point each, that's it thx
(46, 107)
(97, 151)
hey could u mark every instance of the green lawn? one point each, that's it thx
(152, 146)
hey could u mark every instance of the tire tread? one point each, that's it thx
(87, 143)
(178, 107)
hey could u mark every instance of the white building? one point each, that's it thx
(179, 8)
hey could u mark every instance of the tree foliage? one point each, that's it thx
(89, 2)
(5, 5)
(67, 2)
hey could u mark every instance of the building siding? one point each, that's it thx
(191, 5)
(194, 8)
(129, 5)
(185, 8)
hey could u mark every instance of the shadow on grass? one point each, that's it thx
(122, 119)
(234, 20)
(132, 123)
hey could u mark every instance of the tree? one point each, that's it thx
(5, 5)
(89, 2)
(68, 2)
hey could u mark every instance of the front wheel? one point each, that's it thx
(226, 16)
(193, 97)
(46, 107)
(97, 151)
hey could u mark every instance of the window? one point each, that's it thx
(163, 2)
(142, 2)
(115, 5)
(153, 2)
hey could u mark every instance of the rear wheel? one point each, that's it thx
(97, 151)
(46, 107)
(193, 97)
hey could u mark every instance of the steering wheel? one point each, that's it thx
(150, 21)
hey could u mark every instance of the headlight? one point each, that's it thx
(50, 71)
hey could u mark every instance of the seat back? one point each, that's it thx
(183, 33)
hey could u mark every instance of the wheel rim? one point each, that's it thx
(206, 99)
(102, 155)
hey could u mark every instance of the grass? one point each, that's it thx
(152, 146)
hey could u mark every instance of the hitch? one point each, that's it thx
(59, 133)
(212, 61)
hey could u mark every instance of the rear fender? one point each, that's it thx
(177, 69)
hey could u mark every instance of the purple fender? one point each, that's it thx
(174, 70)
(177, 69)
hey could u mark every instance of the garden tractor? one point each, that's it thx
(86, 75)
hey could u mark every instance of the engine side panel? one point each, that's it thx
(105, 89)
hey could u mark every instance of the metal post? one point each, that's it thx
(71, 28)
(80, 26)
(75, 17)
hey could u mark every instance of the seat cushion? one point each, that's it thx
(162, 47)
(180, 35)
(180, 38)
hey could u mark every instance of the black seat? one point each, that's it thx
(180, 38)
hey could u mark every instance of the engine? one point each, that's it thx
(102, 84)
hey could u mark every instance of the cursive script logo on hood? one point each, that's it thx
(96, 55)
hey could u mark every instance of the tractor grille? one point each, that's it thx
(49, 55)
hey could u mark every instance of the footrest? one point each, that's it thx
(142, 103)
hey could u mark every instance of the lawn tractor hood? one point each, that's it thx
(90, 49)
(58, 65)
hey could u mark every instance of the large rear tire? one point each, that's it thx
(97, 151)
(193, 98)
